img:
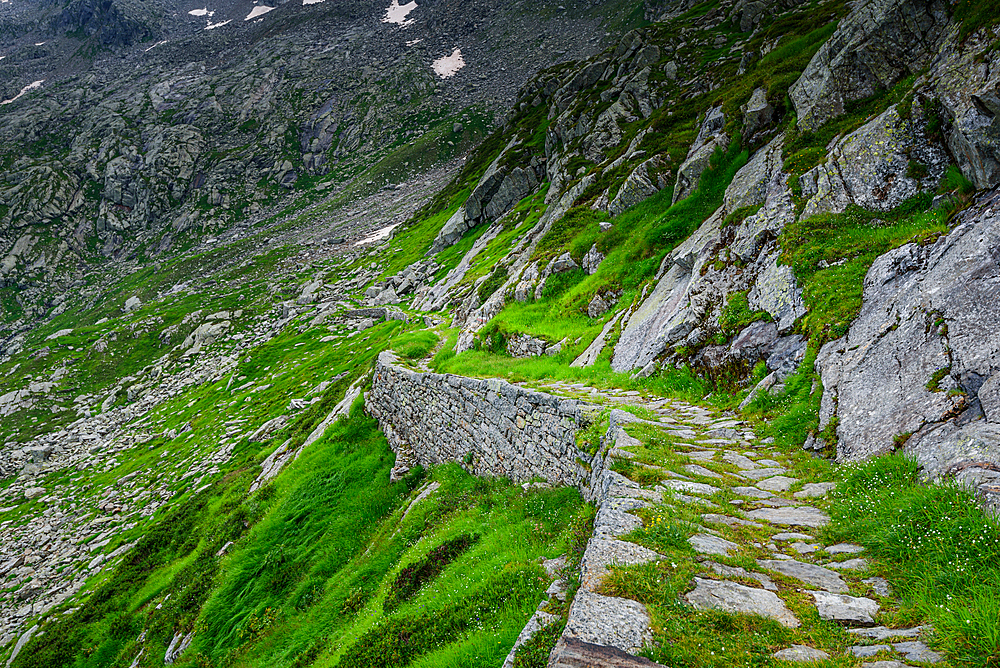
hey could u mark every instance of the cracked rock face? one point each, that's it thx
(923, 348)
(878, 44)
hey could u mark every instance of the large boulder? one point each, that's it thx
(880, 43)
(872, 166)
(649, 178)
(498, 191)
(924, 351)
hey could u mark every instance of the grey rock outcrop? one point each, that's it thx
(592, 260)
(871, 167)
(711, 136)
(923, 347)
(500, 188)
(758, 114)
(879, 43)
(684, 306)
(649, 178)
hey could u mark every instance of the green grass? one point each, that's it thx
(974, 15)
(415, 345)
(316, 554)
(939, 550)
(849, 243)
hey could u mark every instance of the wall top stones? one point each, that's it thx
(492, 427)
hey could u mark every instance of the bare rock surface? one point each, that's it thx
(846, 610)
(737, 598)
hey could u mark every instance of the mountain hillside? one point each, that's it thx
(662, 333)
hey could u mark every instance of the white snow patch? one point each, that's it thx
(31, 86)
(412, 42)
(377, 235)
(156, 45)
(213, 26)
(311, 2)
(397, 13)
(39, 43)
(447, 66)
(202, 12)
(259, 10)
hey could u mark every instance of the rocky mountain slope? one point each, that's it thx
(768, 230)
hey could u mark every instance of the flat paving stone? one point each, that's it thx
(715, 518)
(689, 487)
(917, 651)
(849, 565)
(575, 653)
(805, 516)
(846, 610)
(611, 522)
(694, 469)
(791, 535)
(609, 621)
(779, 483)
(879, 585)
(814, 490)
(883, 632)
(884, 664)
(777, 502)
(760, 474)
(706, 544)
(737, 572)
(740, 461)
(701, 455)
(601, 553)
(801, 654)
(803, 548)
(736, 598)
(844, 548)
(866, 651)
(808, 573)
(752, 492)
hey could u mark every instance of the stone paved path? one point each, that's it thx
(754, 507)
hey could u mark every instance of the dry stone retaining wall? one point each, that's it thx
(490, 426)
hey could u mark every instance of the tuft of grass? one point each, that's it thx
(736, 314)
(415, 345)
(831, 253)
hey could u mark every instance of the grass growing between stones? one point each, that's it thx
(941, 551)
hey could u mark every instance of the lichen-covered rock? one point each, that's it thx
(879, 43)
(684, 306)
(928, 325)
(711, 136)
(758, 114)
(646, 180)
(592, 260)
(500, 188)
(872, 166)
(750, 185)
(776, 291)
(597, 307)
